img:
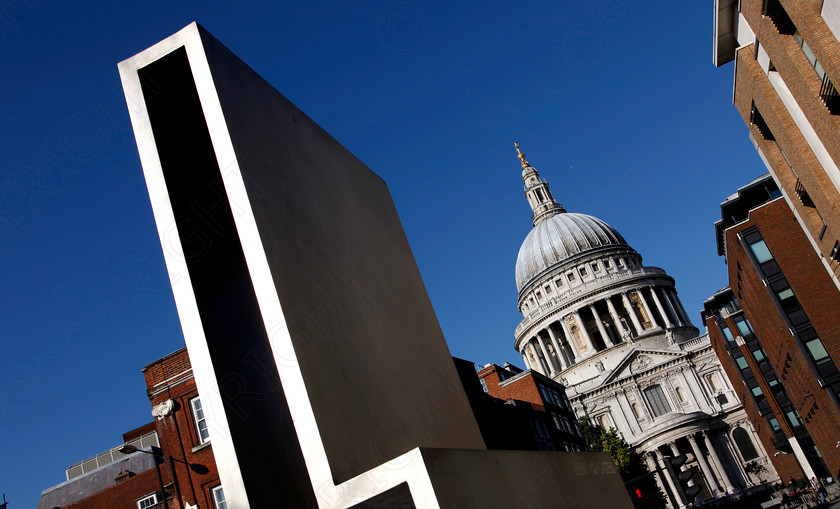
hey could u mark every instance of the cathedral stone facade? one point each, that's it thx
(615, 333)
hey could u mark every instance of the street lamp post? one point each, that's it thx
(158, 455)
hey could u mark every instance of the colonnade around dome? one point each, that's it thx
(615, 307)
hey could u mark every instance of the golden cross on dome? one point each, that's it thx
(521, 156)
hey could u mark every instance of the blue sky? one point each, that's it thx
(617, 104)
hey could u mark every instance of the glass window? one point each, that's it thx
(744, 326)
(742, 362)
(785, 294)
(816, 349)
(583, 271)
(219, 498)
(793, 418)
(727, 333)
(819, 69)
(147, 501)
(774, 423)
(200, 421)
(657, 401)
(760, 251)
(809, 54)
(483, 385)
(758, 355)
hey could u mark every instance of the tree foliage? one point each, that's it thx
(630, 464)
(600, 440)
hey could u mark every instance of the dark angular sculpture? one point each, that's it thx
(319, 360)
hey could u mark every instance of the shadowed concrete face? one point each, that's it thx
(316, 351)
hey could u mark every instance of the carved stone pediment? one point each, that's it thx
(640, 362)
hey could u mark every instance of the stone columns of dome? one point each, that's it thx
(615, 318)
(632, 313)
(524, 355)
(711, 481)
(584, 333)
(556, 344)
(540, 363)
(680, 307)
(669, 476)
(533, 362)
(604, 336)
(669, 300)
(727, 483)
(671, 307)
(643, 300)
(547, 357)
(661, 309)
(569, 339)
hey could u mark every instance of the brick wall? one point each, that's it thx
(785, 464)
(753, 85)
(120, 495)
(171, 378)
(818, 296)
(524, 389)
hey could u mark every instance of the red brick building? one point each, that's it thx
(552, 419)
(787, 70)
(183, 432)
(173, 451)
(776, 329)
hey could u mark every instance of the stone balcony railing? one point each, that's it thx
(697, 342)
(583, 288)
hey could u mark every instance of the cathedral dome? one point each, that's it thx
(559, 237)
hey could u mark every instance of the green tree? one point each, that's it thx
(629, 464)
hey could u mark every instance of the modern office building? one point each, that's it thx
(615, 334)
(787, 68)
(777, 331)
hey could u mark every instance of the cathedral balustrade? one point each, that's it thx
(691, 344)
(581, 290)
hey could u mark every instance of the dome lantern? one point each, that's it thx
(537, 192)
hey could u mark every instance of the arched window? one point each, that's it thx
(745, 444)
